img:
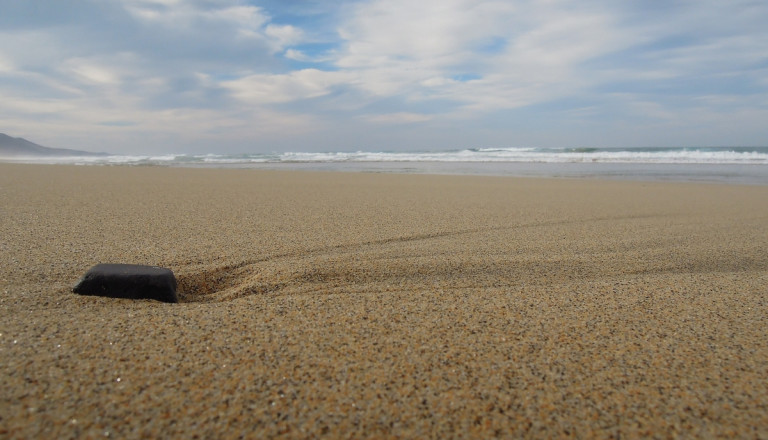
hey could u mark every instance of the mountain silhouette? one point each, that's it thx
(15, 147)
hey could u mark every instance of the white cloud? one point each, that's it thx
(297, 55)
(262, 89)
(5, 64)
(429, 33)
(283, 35)
(227, 17)
(521, 53)
(248, 17)
(26, 107)
(92, 72)
(397, 118)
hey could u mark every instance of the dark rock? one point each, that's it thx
(129, 281)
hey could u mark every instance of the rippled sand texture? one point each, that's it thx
(372, 305)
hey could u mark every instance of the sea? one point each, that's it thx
(739, 165)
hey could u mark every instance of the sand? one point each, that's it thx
(349, 305)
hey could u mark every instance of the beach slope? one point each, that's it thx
(380, 305)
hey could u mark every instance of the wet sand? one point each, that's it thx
(381, 305)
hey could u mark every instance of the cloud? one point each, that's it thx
(518, 53)
(431, 32)
(283, 35)
(5, 64)
(233, 67)
(92, 72)
(151, 58)
(260, 89)
(298, 55)
(529, 52)
(397, 118)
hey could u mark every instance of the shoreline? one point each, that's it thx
(382, 305)
(739, 174)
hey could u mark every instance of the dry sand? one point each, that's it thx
(370, 305)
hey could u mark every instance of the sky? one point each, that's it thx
(250, 76)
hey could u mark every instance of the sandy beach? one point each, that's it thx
(351, 305)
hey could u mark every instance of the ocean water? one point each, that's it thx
(710, 164)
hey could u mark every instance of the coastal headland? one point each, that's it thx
(382, 305)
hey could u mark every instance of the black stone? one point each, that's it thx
(129, 281)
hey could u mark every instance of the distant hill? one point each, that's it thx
(11, 146)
